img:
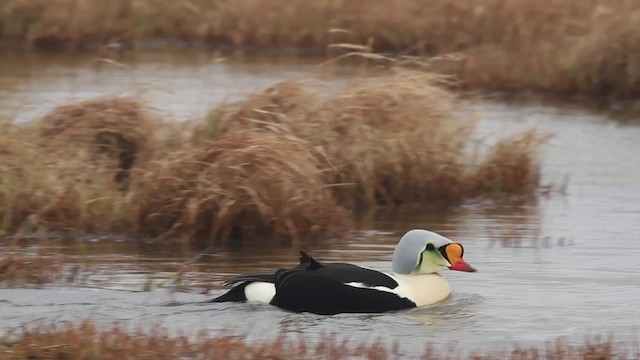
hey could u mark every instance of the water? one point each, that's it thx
(562, 266)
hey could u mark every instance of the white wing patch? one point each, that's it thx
(260, 291)
(401, 290)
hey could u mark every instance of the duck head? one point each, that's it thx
(425, 252)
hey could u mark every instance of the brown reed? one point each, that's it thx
(387, 140)
(511, 166)
(114, 131)
(242, 186)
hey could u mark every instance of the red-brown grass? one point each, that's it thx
(18, 269)
(86, 340)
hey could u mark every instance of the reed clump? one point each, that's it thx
(87, 340)
(114, 131)
(390, 141)
(566, 47)
(68, 170)
(286, 163)
(279, 105)
(511, 165)
(247, 185)
(397, 139)
(41, 191)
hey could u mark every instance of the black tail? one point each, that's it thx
(236, 294)
(308, 262)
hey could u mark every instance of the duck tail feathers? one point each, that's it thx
(308, 262)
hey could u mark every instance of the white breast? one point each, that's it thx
(260, 291)
(424, 289)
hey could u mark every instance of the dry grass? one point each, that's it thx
(114, 131)
(569, 47)
(398, 140)
(247, 186)
(86, 340)
(40, 191)
(512, 165)
(69, 170)
(387, 141)
(283, 164)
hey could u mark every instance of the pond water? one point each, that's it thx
(566, 265)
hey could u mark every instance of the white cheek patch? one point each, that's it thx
(260, 291)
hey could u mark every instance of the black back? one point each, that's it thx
(320, 288)
(313, 291)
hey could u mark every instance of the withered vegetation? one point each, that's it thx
(114, 131)
(247, 186)
(387, 141)
(511, 165)
(87, 340)
(287, 163)
(566, 47)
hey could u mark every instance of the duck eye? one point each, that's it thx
(430, 247)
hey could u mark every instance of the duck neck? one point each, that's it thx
(424, 289)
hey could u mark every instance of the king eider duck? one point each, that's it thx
(334, 288)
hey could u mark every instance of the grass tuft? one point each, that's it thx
(42, 191)
(397, 139)
(389, 141)
(243, 186)
(114, 131)
(285, 163)
(511, 166)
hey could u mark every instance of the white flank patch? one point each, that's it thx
(379, 288)
(423, 290)
(260, 291)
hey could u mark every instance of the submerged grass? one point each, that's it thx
(569, 47)
(286, 163)
(20, 269)
(86, 340)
